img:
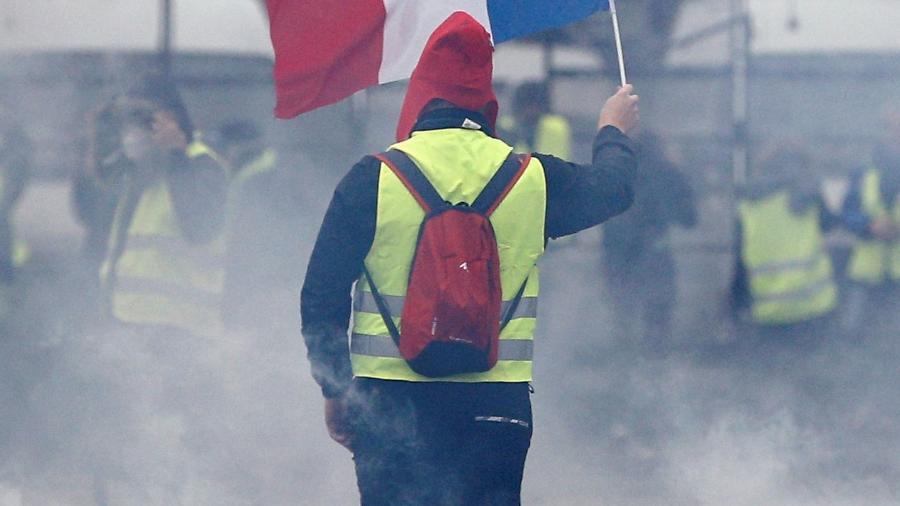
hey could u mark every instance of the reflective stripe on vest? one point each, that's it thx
(458, 163)
(801, 264)
(800, 294)
(166, 288)
(364, 302)
(872, 260)
(198, 148)
(790, 273)
(158, 278)
(265, 162)
(384, 346)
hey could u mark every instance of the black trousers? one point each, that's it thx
(643, 292)
(440, 444)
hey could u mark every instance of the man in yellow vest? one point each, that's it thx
(784, 287)
(265, 213)
(15, 165)
(872, 212)
(457, 439)
(160, 271)
(532, 127)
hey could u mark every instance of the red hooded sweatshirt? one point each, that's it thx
(457, 66)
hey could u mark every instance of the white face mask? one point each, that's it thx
(137, 143)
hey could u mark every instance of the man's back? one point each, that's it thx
(459, 163)
(416, 440)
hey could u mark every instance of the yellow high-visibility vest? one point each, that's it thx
(159, 278)
(790, 273)
(198, 148)
(459, 164)
(21, 252)
(264, 163)
(873, 261)
(553, 136)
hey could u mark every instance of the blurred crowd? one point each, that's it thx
(198, 231)
(193, 235)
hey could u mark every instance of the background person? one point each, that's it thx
(638, 262)
(784, 288)
(264, 230)
(532, 126)
(15, 168)
(872, 212)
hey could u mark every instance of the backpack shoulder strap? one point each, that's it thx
(501, 183)
(413, 179)
(383, 308)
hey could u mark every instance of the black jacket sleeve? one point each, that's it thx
(346, 234)
(740, 287)
(15, 165)
(852, 214)
(198, 187)
(827, 219)
(684, 207)
(582, 196)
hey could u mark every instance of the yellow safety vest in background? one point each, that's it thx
(198, 148)
(264, 163)
(459, 164)
(2, 189)
(790, 273)
(553, 136)
(160, 278)
(20, 253)
(874, 261)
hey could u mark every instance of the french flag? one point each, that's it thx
(326, 50)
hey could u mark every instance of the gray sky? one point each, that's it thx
(238, 25)
(205, 25)
(827, 25)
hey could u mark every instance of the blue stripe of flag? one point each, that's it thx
(516, 18)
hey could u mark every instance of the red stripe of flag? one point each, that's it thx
(325, 50)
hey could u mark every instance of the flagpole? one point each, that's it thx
(615, 20)
(165, 36)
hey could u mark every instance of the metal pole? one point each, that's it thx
(549, 64)
(165, 36)
(740, 55)
(618, 36)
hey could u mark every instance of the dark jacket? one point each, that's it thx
(198, 189)
(95, 183)
(664, 199)
(578, 197)
(852, 214)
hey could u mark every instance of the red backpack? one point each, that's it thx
(451, 319)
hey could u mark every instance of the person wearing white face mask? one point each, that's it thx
(161, 276)
(160, 268)
(137, 144)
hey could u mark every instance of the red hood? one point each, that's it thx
(456, 66)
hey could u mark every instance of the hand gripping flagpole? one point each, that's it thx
(615, 20)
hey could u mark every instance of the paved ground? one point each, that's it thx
(90, 418)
